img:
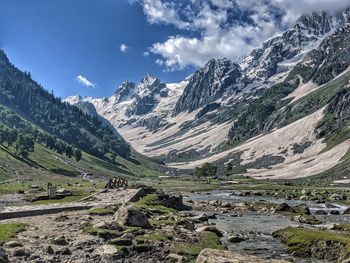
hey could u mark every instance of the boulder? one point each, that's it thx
(235, 239)
(209, 229)
(174, 258)
(20, 252)
(284, 207)
(320, 212)
(3, 256)
(303, 209)
(131, 216)
(347, 211)
(173, 201)
(60, 240)
(219, 256)
(49, 250)
(14, 243)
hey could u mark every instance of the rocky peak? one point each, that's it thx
(124, 91)
(267, 60)
(208, 84)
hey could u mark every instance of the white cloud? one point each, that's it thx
(123, 48)
(146, 54)
(85, 82)
(220, 32)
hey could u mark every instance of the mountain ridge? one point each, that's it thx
(212, 111)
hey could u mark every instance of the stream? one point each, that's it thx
(256, 227)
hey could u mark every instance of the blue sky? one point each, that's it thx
(89, 47)
(58, 40)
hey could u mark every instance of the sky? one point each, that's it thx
(89, 47)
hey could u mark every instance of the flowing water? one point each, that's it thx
(256, 228)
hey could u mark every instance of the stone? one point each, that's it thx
(235, 239)
(174, 258)
(60, 240)
(336, 197)
(210, 229)
(131, 216)
(208, 255)
(20, 252)
(121, 242)
(303, 209)
(3, 256)
(284, 207)
(49, 250)
(304, 198)
(225, 204)
(334, 212)
(347, 211)
(320, 212)
(187, 224)
(108, 250)
(64, 251)
(13, 243)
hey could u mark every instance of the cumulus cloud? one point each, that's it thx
(146, 54)
(85, 82)
(123, 48)
(223, 28)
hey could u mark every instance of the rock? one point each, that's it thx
(203, 217)
(174, 258)
(320, 212)
(187, 224)
(226, 204)
(220, 256)
(64, 251)
(143, 248)
(84, 224)
(305, 192)
(108, 250)
(235, 239)
(303, 209)
(49, 250)
(13, 243)
(347, 211)
(210, 229)
(304, 198)
(121, 242)
(20, 252)
(284, 207)
(173, 201)
(60, 240)
(3, 256)
(131, 216)
(334, 212)
(336, 197)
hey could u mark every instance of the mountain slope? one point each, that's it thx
(41, 136)
(282, 83)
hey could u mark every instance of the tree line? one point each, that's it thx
(16, 132)
(68, 123)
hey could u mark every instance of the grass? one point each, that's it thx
(151, 203)
(155, 222)
(302, 240)
(9, 231)
(207, 240)
(103, 233)
(66, 199)
(154, 236)
(101, 211)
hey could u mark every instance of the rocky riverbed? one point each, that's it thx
(158, 227)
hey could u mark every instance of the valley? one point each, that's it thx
(244, 160)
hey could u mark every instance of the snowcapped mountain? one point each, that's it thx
(225, 111)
